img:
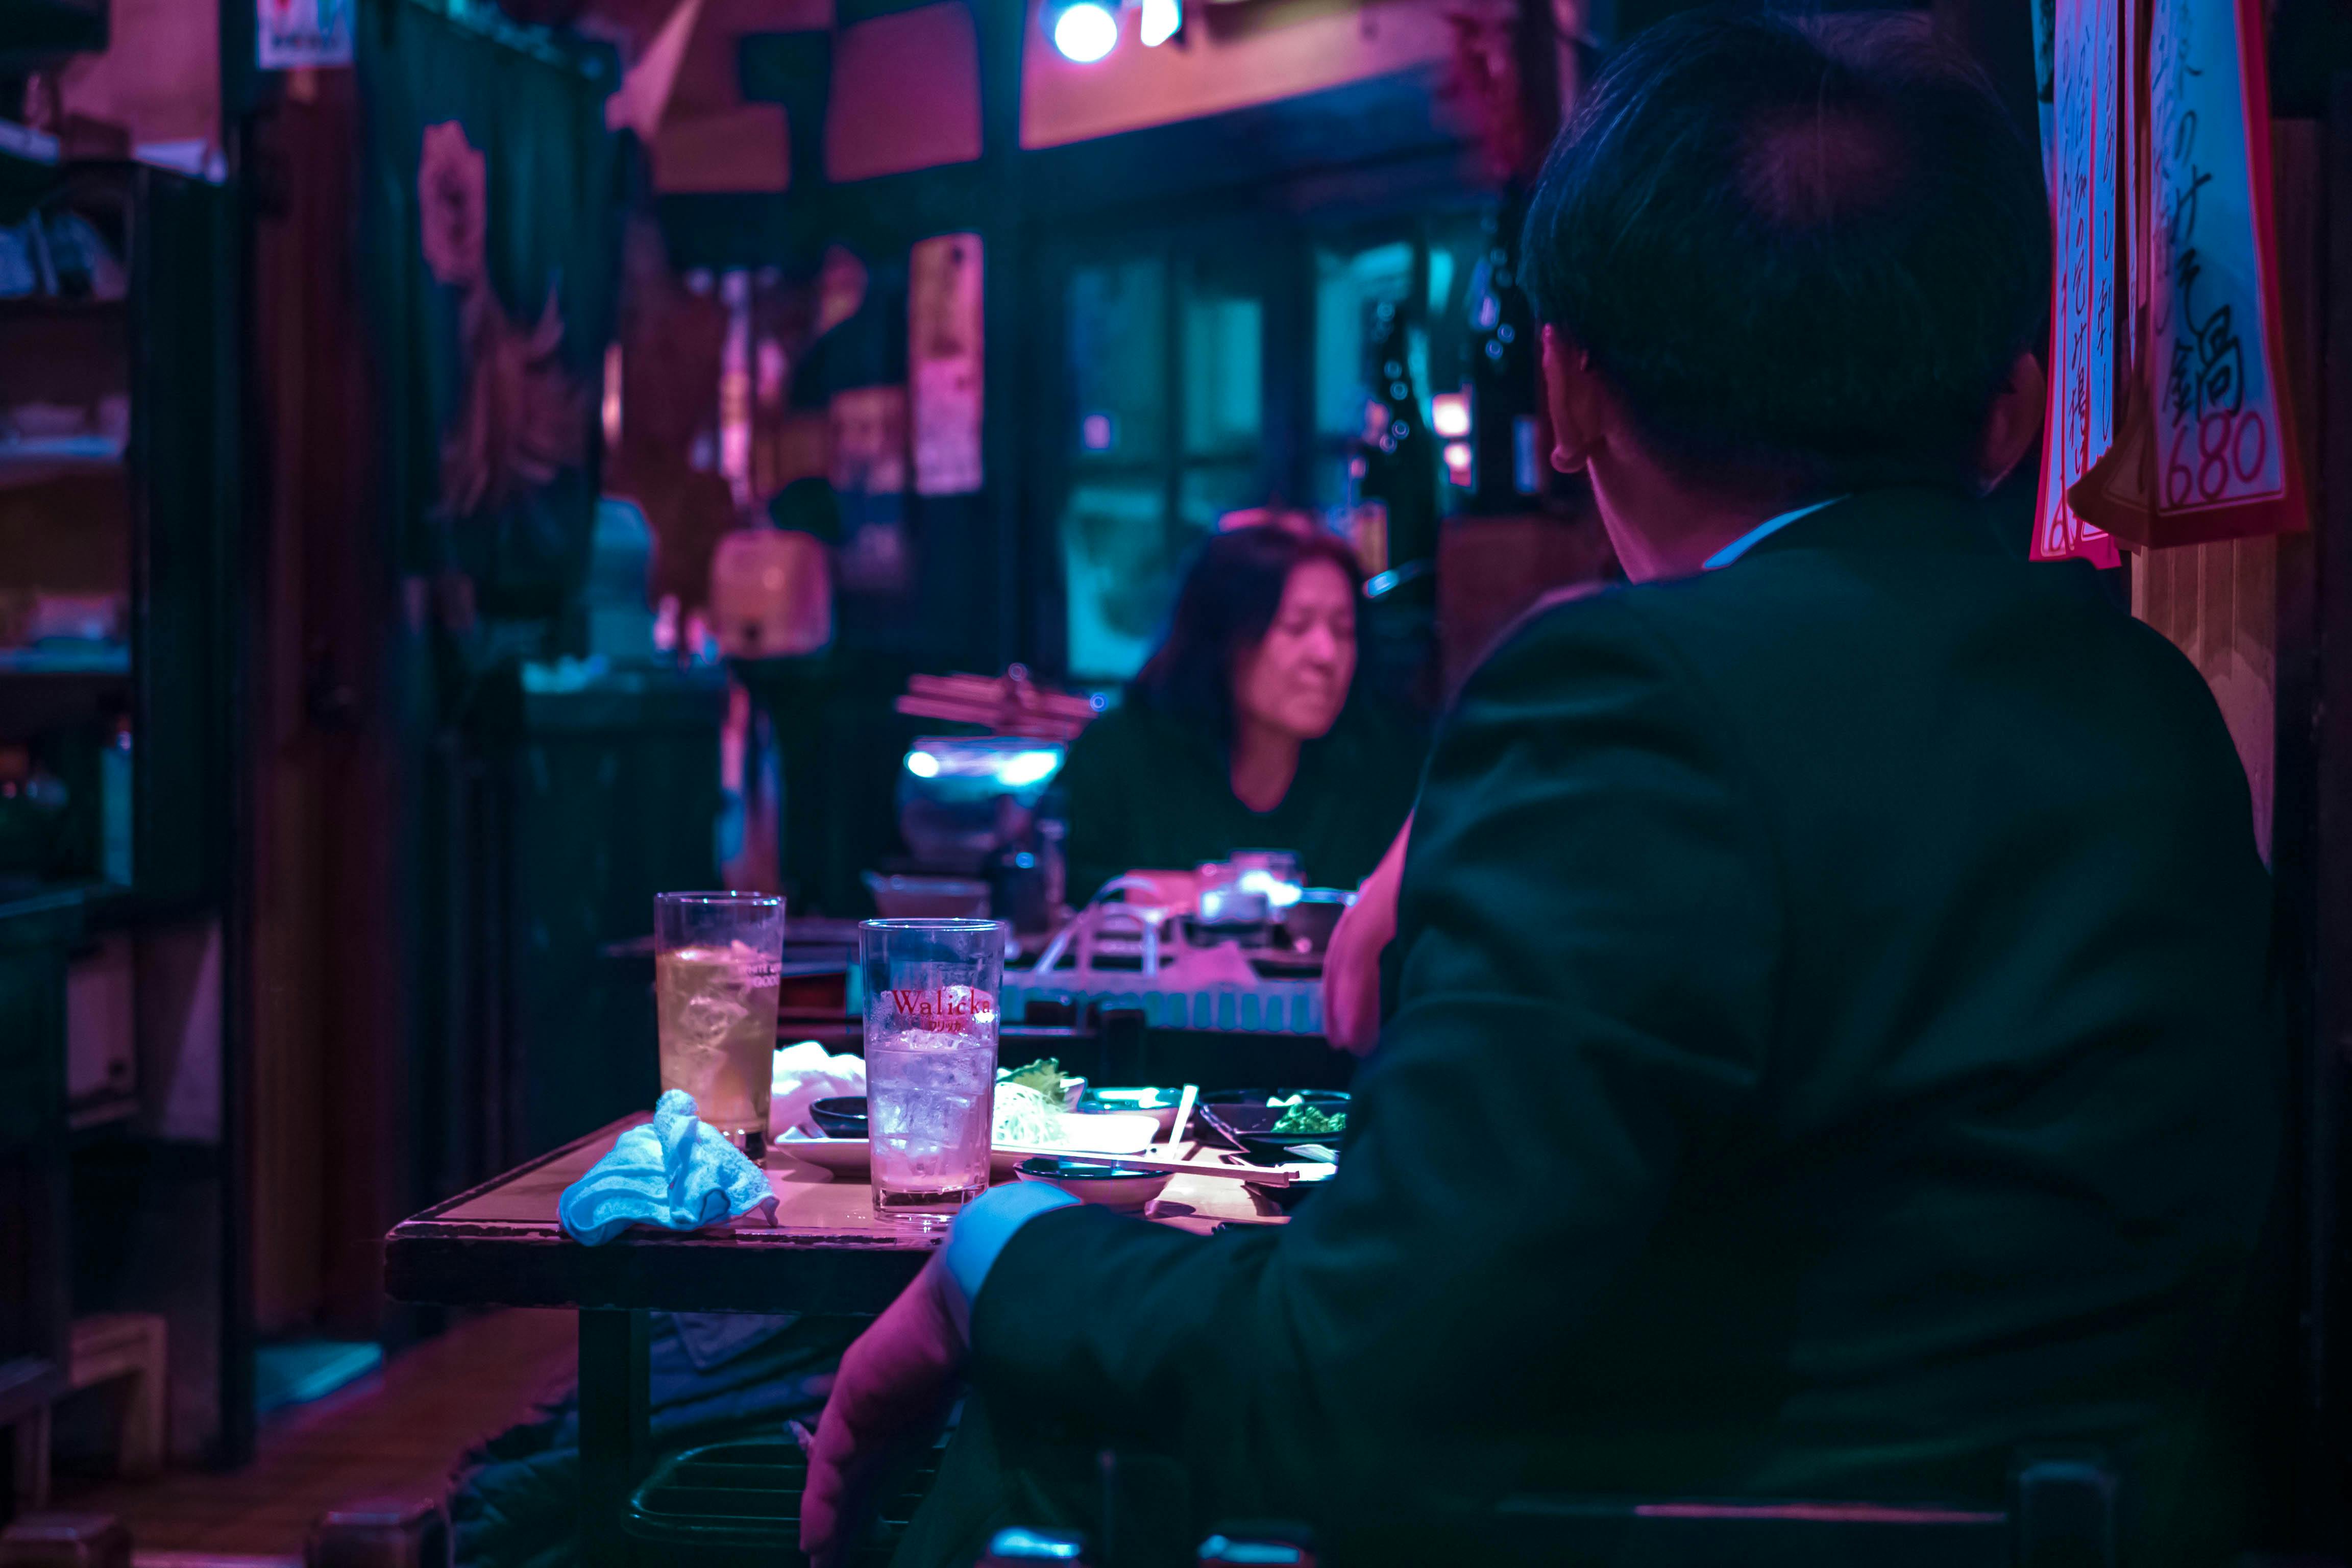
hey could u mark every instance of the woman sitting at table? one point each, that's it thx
(1240, 732)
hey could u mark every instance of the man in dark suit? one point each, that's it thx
(1823, 1056)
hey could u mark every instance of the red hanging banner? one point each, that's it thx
(2086, 76)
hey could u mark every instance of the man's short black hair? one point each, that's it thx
(1804, 254)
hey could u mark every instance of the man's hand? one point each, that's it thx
(1351, 963)
(894, 1386)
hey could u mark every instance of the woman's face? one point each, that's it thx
(1295, 680)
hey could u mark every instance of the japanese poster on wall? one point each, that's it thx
(2087, 68)
(869, 472)
(943, 352)
(2221, 432)
(2203, 447)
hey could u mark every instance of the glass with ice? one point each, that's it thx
(718, 960)
(930, 1061)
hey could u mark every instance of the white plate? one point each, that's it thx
(842, 1156)
(1116, 1133)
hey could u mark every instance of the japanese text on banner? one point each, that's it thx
(2087, 79)
(2216, 399)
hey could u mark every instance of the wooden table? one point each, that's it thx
(501, 1245)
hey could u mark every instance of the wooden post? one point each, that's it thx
(615, 1431)
(1005, 333)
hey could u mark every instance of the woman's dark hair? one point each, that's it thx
(808, 506)
(1805, 254)
(1229, 598)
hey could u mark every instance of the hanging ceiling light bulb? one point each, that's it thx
(1085, 31)
(1162, 20)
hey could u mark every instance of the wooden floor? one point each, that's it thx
(398, 1431)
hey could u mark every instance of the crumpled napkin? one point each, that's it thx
(806, 1074)
(674, 1173)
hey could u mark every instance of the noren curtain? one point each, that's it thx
(524, 110)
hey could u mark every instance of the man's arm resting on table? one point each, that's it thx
(1589, 928)
(982, 1231)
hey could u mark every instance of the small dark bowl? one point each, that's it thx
(1245, 1120)
(843, 1116)
(1100, 1180)
(1160, 1104)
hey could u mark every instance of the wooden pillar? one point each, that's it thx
(615, 1429)
(2265, 622)
(1002, 27)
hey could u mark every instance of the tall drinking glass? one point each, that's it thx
(930, 1061)
(718, 960)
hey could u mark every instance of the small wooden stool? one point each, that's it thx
(108, 1347)
(66, 1541)
(28, 1455)
(381, 1533)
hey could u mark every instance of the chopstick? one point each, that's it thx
(1264, 1176)
(1184, 1115)
(1037, 726)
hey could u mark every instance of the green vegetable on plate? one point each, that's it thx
(1044, 1075)
(1301, 1118)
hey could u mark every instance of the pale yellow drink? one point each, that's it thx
(716, 1010)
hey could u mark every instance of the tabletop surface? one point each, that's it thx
(500, 1245)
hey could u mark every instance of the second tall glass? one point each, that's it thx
(930, 1061)
(717, 968)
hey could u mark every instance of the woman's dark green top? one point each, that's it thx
(1148, 790)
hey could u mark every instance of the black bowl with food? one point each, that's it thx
(1272, 1123)
(843, 1116)
(1310, 922)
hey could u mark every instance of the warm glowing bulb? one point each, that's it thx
(1086, 32)
(922, 764)
(1162, 21)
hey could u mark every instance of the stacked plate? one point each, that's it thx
(845, 1151)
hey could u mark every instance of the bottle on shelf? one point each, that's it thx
(115, 774)
(1506, 467)
(1399, 454)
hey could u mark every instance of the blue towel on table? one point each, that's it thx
(674, 1173)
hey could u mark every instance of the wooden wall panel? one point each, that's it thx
(2219, 605)
(328, 1115)
(906, 94)
(2222, 604)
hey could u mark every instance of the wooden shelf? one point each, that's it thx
(38, 662)
(102, 1110)
(24, 463)
(50, 307)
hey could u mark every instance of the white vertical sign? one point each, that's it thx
(943, 354)
(2217, 437)
(300, 33)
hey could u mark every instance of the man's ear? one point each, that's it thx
(1571, 391)
(2014, 423)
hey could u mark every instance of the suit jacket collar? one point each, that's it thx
(1903, 520)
